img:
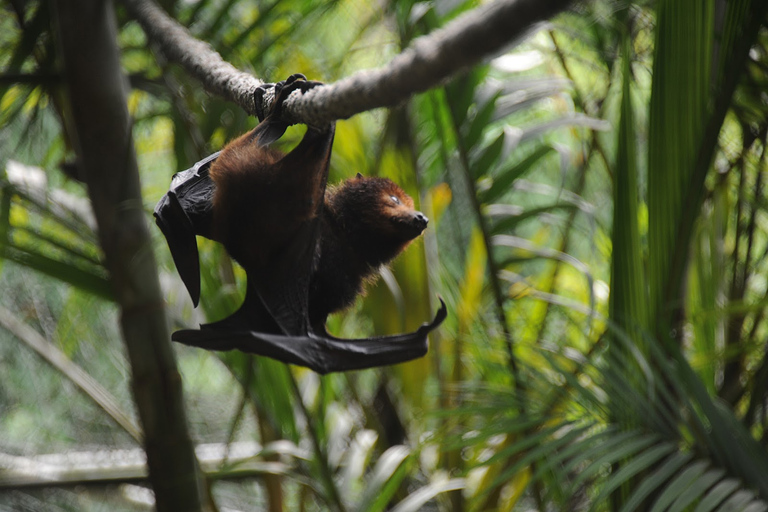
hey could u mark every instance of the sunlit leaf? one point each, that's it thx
(416, 500)
(385, 478)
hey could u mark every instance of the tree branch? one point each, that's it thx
(428, 62)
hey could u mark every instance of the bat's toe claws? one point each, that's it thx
(280, 90)
(294, 82)
(294, 77)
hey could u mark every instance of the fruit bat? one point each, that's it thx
(306, 251)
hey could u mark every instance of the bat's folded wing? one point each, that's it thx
(319, 352)
(184, 211)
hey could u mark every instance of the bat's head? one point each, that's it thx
(377, 215)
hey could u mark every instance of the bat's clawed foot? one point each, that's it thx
(279, 92)
(272, 113)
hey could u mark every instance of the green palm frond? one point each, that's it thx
(685, 449)
(49, 231)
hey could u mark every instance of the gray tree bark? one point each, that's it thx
(97, 91)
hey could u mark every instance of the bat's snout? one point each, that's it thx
(414, 224)
(420, 221)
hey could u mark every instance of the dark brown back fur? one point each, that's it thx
(243, 198)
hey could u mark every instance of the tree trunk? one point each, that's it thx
(97, 91)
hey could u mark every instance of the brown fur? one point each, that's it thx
(261, 202)
(362, 228)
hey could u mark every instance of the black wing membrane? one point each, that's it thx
(320, 352)
(184, 211)
(273, 320)
(284, 286)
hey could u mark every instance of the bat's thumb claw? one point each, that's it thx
(442, 313)
(258, 100)
(440, 316)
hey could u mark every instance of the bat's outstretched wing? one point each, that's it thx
(321, 353)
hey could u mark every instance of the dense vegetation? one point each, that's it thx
(598, 231)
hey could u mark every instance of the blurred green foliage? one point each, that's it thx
(598, 231)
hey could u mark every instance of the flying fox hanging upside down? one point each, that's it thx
(307, 251)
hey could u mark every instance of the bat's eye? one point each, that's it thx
(395, 199)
